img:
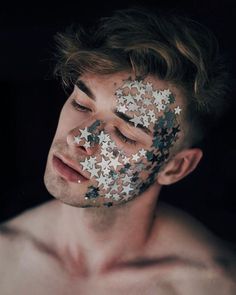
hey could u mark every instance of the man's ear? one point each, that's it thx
(179, 166)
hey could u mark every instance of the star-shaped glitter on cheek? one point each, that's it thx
(77, 139)
(115, 162)
(108, 195)
(105, 185)
(127, 197)
(84, 133)
(112, 145)
(116, 197)
(151, 113)
(157, 97)
(122, 109)
(126, 160)
(106, 138)
(143, 110)
(101, 137)
(104, 144)
(101, 180)
(87, 145)
(85, 164)
(114, 187)
(126, 189)
(142, 153)
(153, 120)
(126, 179)
(104, 163)
(178, 110)
(104, 152)
(113, 175)
(109, 155)
(94, 172)
(135, 157)
(106, 171)
(138, 97)
(92, 161)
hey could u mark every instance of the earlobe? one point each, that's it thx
(180, 166)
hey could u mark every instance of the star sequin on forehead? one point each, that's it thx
(143, 102)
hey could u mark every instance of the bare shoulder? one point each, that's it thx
(185, 237)
(20, 233)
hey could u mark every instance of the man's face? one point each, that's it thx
(113, 136)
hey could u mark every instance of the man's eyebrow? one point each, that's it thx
(127, 119)
(84, 88)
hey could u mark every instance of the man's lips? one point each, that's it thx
(67, 169)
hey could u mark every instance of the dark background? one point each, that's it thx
(31, 100)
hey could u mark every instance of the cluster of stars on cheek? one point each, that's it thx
(112, 169)
(153, 109)
(118, 177)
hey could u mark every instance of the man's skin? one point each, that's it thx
(136, 247)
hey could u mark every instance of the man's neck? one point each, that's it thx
(100, 237)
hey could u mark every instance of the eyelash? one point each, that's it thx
(124, 138)
(81, 108)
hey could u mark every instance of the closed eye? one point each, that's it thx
(79, 107)
(123, 137)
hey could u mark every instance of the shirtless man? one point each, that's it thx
(143, 88)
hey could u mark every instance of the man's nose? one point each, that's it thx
(85, 139)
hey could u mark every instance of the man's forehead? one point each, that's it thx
(113, 81)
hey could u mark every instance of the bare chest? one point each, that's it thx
(46, 279)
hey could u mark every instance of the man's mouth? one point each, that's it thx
(67, 170)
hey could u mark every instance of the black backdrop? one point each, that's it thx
(31, 102)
